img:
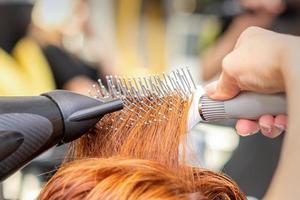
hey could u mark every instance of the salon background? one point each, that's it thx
(69, 44)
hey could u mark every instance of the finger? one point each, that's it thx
(225, 88)
(273, 6)
(211, 88)
(246, 127)
(281, 122)
(266, 123)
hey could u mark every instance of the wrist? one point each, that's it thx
(285, 184)
(290, 63)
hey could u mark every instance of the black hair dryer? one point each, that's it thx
(31, 125)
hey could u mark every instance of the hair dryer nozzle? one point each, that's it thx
(97, 111)
(79, 112)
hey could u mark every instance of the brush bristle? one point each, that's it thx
(157, 96)
(179, 81)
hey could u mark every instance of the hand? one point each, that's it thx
(253, 65)
(268, 62)
(273, 7)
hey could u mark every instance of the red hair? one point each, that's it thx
(145, 137)
(133, 179)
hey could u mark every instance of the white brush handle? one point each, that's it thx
(247, 105)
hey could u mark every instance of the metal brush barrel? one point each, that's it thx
(247, 105)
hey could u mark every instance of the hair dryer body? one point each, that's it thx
(31, 125)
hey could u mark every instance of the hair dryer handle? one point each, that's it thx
(28, 127)
(247, 105)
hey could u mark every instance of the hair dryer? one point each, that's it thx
(31, 125)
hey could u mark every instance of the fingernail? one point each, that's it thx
(243, 134)
(280, 127)
(276, 131)
(254, 132)
(265, 128)
(248, 134)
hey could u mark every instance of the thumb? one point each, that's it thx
(224, 88)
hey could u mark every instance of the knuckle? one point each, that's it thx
(228, 64)
(252, 30)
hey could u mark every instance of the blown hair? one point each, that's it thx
(134, 154)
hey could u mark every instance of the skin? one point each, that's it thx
(212, 58)
(270, 6)
(264, 12)
(272, 66)
(262, 74)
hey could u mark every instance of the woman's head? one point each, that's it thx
(145, 136)
(114, 178)
(132, 179)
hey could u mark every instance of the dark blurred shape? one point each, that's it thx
(15, 18)
(221, 8)
(232, 8)
(254, 162)
(288, 22)
(1, 192)
(66, 66)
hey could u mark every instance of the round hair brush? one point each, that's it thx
(246, 105)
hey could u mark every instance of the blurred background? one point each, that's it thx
(69, 44)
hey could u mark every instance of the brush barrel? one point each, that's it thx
(247, 105)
